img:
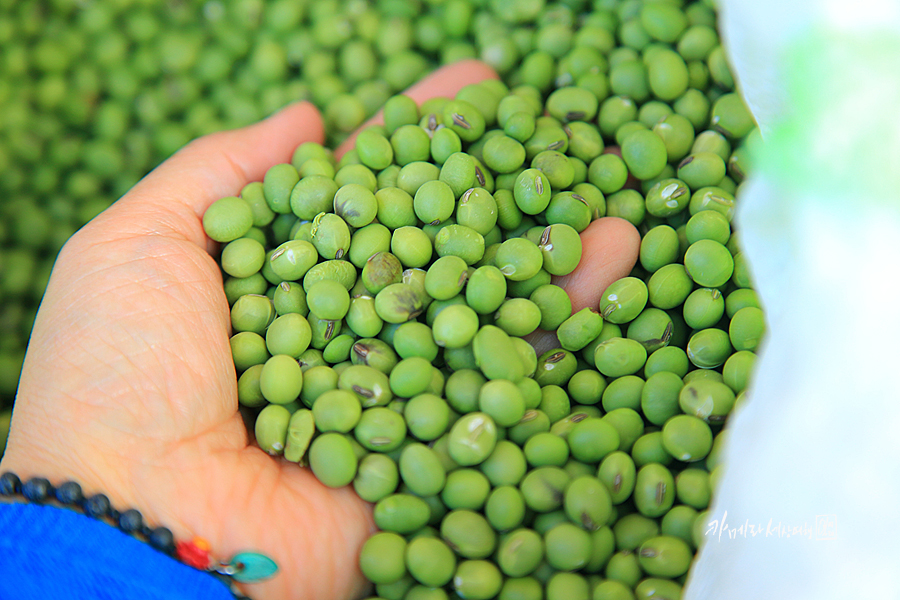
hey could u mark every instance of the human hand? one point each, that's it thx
(129, 387)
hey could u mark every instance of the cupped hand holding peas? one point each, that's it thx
(129, 386)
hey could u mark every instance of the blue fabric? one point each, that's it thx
(49, 553)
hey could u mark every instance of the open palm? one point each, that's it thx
(129, 386)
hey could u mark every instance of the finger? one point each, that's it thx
(171, 200)
(444, 82)
(609, 252)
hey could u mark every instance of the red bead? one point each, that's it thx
(194, 553)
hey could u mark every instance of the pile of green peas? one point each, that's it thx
(380, 305)
(382, 344)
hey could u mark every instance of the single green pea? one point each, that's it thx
(554, 304)
(617, 472)
(687, 438)
(665, 556)
(692, 487)
(401, 513)
(227, 219)
(709, 263)
(709, 348)
(623, 392)
(520, 553)
(477, 580)
(738, 369)
(380, 429)
(466, 489)
(252, 312)
(679, 523)
(543, 488)
(555, 368)
(667, 75)
(472, 438)
(644, 154)
(634, 529)
(709, 400)
(592, 439)
(619, 356)
(560, 247)
(421, 470)
(459, 240)
(567, 547)
(623, 300)
(505, 508)
(588, 502)
(532, 191)
(708, 225)
(486, 289)
(747, 328)
(376, 478)
(383, 558)
(649, 449)
(281, 379)
(410, 143)
(336, 410)
(332, 459)
(430, 561)
(654, 490)
(546, 449)
(608, 172)
(668, 197)
(468, 533)
(271, 429)
(704, 308)
(669, 286)
(328, 299)
(659, 247)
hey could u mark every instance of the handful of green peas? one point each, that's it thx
(380, 305)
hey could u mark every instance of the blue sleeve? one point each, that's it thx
(48, 552)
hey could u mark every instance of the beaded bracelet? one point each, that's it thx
(244, 567)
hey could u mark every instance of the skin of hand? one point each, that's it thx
(128, 386)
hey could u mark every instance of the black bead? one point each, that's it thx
(69, 493)
(97, 506)
(130, 521)
(37, 489)
(162, 539)
(10, 484)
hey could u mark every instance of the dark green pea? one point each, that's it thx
(252, 312)
(376, 478)
(380, 429)
(617, 472)
(677, 134)
(398, 303)
(401, 513)
(271, 429)
(706, 399)
(567, 547)
(555, 367)
(692, 487)
(687, 438)
(592, 439)
(477, 580)
(623, 300)
(383, 558)
(332, 460)
(311, 358)
(322, 331)
(468, 533)
(381, 270)
(649, 449)
(633, 530)
(669, 286)
(461, 241)
(665, 556)
(709, 348)
(654, 490)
